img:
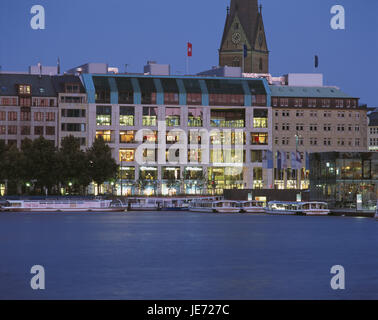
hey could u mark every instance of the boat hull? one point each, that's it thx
(316, 212)
(281, 212)
(227, 210)
(253, 210)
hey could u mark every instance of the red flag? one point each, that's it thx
(190, 49)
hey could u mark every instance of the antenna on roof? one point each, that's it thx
(58, 65)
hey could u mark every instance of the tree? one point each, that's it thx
(14, 170)
(102, 166)
(3, 151)
(39, 157)
(73, 164)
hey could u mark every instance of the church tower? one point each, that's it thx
(244, 27)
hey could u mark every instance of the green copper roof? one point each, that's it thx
(303, 92)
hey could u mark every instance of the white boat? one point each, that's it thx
(314, 208)
(62, 206)
(226, 206)
(282, 208)
(201, 205)
(376, 212)
(222, 206)
(252, 206)
(175, 204)
(144, 204)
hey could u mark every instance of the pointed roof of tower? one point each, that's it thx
(248, 14)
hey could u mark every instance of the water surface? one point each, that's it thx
(184, 255)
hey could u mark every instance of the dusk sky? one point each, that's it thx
(121, 32)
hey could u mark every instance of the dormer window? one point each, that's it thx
(72, 88)
(24, 89)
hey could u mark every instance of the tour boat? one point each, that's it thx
(222, 206)
(62, 206)
(174, 204)
(314, 208)
(282, 208)
(144, 204)
(252, 206)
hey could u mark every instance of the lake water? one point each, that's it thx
(184, 255)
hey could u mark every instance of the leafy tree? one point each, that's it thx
(14, 170)
(39, 157)
(73, 164)
(3, 151)
(102, 166)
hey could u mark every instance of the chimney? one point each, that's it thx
(40, 69)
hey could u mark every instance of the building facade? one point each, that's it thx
(73, 109)
(310, 120)
(244, 42)
(28, 108)
(372, 134)
(194, 134)
(345, 179)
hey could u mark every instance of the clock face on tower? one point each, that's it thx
(236, 37)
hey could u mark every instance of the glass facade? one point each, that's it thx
(341, 178)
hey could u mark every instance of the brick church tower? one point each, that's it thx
(244, 26)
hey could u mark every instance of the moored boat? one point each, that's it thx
(282, 208)
(221, 206)
(144, 204)
(62, 206)
(252, 206)
(314, 208)
(226, 206)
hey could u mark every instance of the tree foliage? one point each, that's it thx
(45, 168)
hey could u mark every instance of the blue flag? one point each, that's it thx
(279, 160)
(245, 50)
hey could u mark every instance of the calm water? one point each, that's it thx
(183, 255)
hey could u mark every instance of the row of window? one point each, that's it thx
(26, 116)
(234, 118)
(27, 130)
(314, 114)
(316, 141)
(315, 127)
(326, 103)
(194, 155)
(218, 138)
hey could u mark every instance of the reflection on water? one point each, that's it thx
(183, 255)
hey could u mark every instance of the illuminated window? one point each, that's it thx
(149, 116)
(126, 136)
(24, 89)
(126, 155)
(195, 117)
(126, 116)
(104, 115)
(172, 117)
(106, 135)
(259, 138)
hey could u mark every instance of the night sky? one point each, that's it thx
(122, 32)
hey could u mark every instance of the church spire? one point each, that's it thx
(244, 27)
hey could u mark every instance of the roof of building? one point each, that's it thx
(41, 86)
(303, 92)
(60, 81)
(373, 119)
